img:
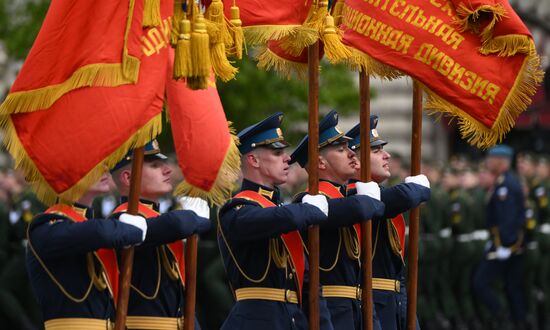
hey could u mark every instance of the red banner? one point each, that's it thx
(205, 148)
(80, 44)
(66, 148)
(421, 38)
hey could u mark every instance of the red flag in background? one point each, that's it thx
(206, 150)
(421, 38)
(80, 44)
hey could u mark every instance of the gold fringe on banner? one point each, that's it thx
(151, 13)
(360, 61)
(470, 19)
(268, 60)
(261, 34)
(235, 48)
(98, 74)
(517, 101)
(224, 184)
(508, 45)
(40, 186)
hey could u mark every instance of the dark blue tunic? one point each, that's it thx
(244, 235)
(153, 291)
(391, 307)
(337, 266)
(63, 246)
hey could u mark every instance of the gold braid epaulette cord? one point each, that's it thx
(99, 281)
(280, 259)
(393, 237)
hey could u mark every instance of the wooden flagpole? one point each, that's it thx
(127, 263)
(190, 281)
(412, 276)
(366, 226)
(313, 157)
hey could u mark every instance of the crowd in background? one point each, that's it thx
(453, 238)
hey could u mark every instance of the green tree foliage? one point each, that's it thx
(255, 94)
(21, 21)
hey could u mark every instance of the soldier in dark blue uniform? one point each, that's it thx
(65, 267)
(258, 238)
(340, 269)
(504, 259)
(388, 283)
(157, 292)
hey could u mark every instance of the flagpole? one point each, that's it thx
(127, 263)
(412, 276)
(190, 281)
(313, 167)
(366, 226)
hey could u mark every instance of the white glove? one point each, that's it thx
(136, 221)
(503, 253)
(420, 179)
(195, 204)
(370, 189)
(318, 201)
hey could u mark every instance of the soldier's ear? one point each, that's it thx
(125, 177)
(322, 163)
(253, 160)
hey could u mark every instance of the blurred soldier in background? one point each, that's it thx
(542, 194)
(460, 267)
(504, 260)
(431, 251)
(18, 305)
(526, 167)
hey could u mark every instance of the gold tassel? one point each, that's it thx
(237, 34)
(200, 48)
(179, 14)
(182, 60)
(334, 49)
(219, 35)
(220, 64)
(151, 13)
